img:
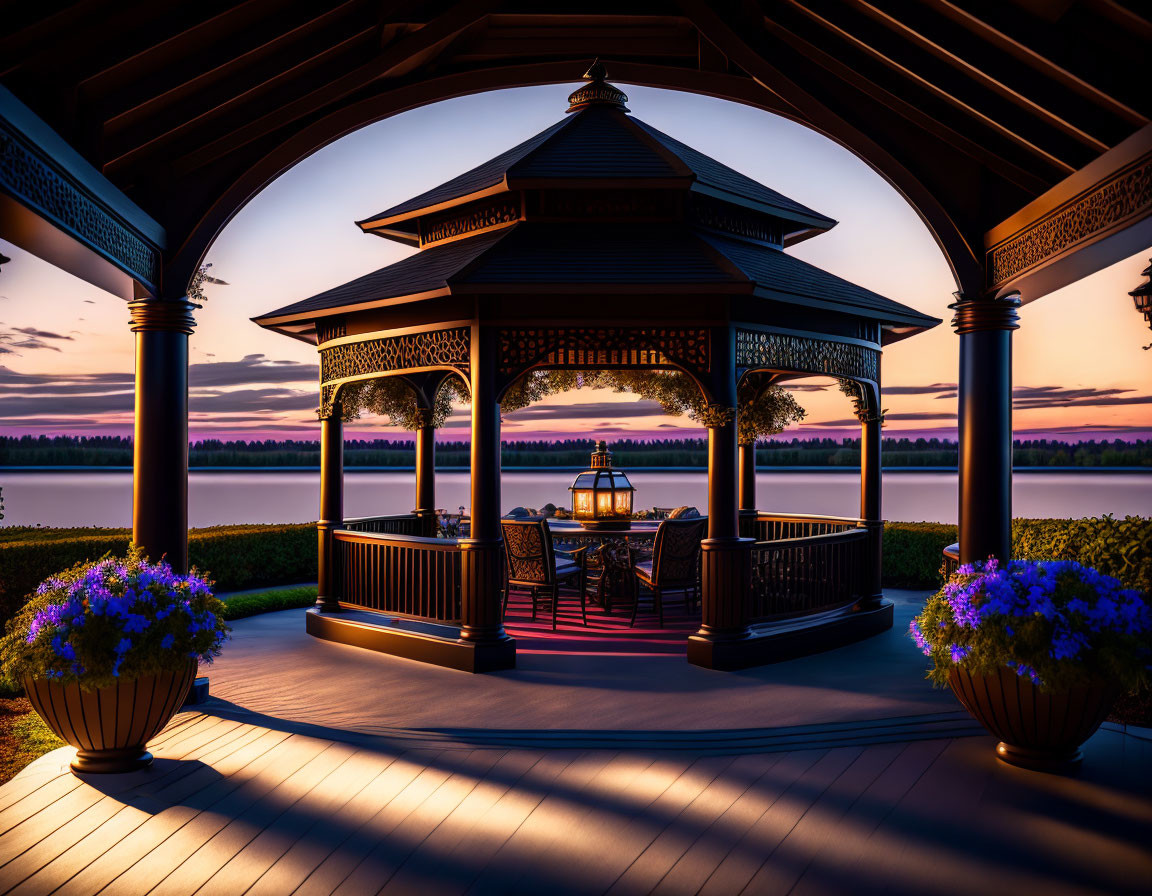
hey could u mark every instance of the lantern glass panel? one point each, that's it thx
(582, 502)
(624, 502)
(604, 502)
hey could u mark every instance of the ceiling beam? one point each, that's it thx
(1031, 58)
(940, 93)
(234, 66)
(977, 74)
(733, 41)
(1022, 177)
(395, 56)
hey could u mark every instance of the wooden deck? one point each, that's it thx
(909, 805)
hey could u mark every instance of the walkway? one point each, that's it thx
(885, 788)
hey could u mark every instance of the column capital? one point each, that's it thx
(173, 315)
(974, 313)
(716, 415)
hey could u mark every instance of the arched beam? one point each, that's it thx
(756, 93)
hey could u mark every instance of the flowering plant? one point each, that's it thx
(113, 619)
(1054, 622)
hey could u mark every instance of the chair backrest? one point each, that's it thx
(528, 549)
(675, 551)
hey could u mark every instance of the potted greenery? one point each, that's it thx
(107, 651)
(1037, 651)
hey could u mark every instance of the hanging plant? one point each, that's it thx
(762, 411)
(394, 398)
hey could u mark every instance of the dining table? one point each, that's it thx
(611, 554)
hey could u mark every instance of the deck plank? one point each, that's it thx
(725, 813)
(463, 864)
(784, 864)
(332, 872)
(58, 858)
(544, 821)
(392, 850)
(711, 797)
(836, 866)
(174, 831)
(252, 817)
(424, 869)
(324, 838)
(780, 815)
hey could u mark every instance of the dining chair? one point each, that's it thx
(674, 564)
(532, 565)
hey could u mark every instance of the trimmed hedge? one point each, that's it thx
(236, 557)
(912, 553)
(1116, 547)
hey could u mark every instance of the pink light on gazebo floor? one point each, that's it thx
(605, 635)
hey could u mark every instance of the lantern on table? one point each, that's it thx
(602, 495)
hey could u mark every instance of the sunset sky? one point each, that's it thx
(66, 350)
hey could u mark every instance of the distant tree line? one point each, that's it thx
(116, 451)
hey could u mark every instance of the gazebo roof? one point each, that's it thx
(602, 203)
(563, 256)
(602, 144)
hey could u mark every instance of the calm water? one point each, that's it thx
(105, 498)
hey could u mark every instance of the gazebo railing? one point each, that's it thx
(395, 524)
(777, 526)
(405, 575)
(809, 574)
(951, 559)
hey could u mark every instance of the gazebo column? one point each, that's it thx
(871, 490)
(748, 509)
(985, 422)
(426, 472)
(726, 558)
(331, 507)
(160, 454)
(482, 553)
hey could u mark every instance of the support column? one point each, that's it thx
(426, 473)
(871, 490)
(748, 511)
(482, 553)
(726, 559)
(331, 508)
(985, 422)
(160, 452)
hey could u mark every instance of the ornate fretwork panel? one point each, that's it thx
(776, 351)
(471, 218)
(35, 181)
(1127, 194)
(392, 354)
(644, 347)
(734, 220)
(330, 328)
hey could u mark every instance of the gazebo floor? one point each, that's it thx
(301, 777)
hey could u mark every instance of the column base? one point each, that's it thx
(774, 642)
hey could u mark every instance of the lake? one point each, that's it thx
(104, 498)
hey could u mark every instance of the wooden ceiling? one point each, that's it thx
(971, 109)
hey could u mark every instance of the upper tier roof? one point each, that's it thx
(603, 143)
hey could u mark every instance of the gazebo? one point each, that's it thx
(599, 243)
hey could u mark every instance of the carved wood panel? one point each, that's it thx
(777, 351)
(392, 354)
(619, 347)
(1109, 203)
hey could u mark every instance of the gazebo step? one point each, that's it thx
(426, 642)
(774, 642)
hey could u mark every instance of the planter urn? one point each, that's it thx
(110, 727)
(1037, 730)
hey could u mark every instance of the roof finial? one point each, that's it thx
(597, 92)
